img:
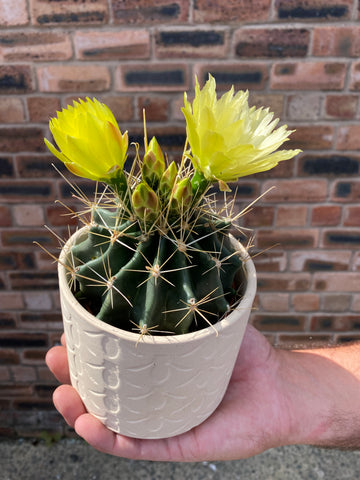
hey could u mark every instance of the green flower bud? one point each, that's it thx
(153, 164)
(167, 180)
(182, 197)
(145, 202)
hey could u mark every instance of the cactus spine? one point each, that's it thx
(156, 254)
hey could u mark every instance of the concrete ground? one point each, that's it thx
(70, 459)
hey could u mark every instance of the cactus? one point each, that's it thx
(157, 255)
(160, 260)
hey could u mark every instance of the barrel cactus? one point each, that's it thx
(157, 255)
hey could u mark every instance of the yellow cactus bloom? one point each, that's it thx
(228, 139)
(89, 139)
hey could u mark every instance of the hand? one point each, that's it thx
(252, 417)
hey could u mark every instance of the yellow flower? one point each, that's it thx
(90, 141)
(228, 139)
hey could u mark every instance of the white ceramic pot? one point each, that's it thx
(157, 387)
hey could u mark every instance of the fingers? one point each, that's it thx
(96, 434)
(68, 402)
(56, 360)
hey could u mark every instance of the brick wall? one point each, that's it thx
(299, 57)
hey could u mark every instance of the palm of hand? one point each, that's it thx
(250, 419)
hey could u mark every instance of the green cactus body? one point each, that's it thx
(155, 280)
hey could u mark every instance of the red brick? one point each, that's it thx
(281, 322)
(9, 357)
(283, 282)
(321, 10)
(352, 216)
(121, 106)
(305, 302)
(27, 280)
(16, 260)
(7, 167)
(11, 110)
(270, 261)
(324, 215)
(18, 191)
(348, 137)
(275, 102)
(252, 76)
(18, 237)
(295, 190)
(58, 215)
(44, 262)
(73, 78)
(156, 108)
(46, 13)
(155, 77)
(42, 108)
(140, 12)
(35, 47)
(337, 282)
(271, 302)
(23, 340)
(271, 42)
(346, 191)
(16, 139)
(319, 260)
(7, 321)
(287, 238)
(341, 238)
(10, 391)
(304, 106)
(44, 374)
(336, 303)
(16, 79)
(41, 319)
(10, 16)
(348, 338)
(23, 374)
(314, 137)
(5, 216)
(34, 356)
(300, 342)
(355, 303)
(191, 43)
(102, 45)
(308, 76)
(259, 217)
(232, 11)
(355, 77)
(11, 301)
(176, 105)
(335, 41)
(28, 215)
(335, 323)
(292, 216)
(341, 106)
(281, 170)
(38, 166)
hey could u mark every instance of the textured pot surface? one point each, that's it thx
(158, 386)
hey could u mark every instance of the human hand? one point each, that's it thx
(251, 418)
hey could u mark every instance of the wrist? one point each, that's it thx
(322, 395)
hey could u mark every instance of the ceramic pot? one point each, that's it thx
(158, 386)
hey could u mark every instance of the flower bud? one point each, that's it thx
(145, 202)
(167, 180)
(182, 197)
(153, 164)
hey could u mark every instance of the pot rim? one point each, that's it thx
(245, 303)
